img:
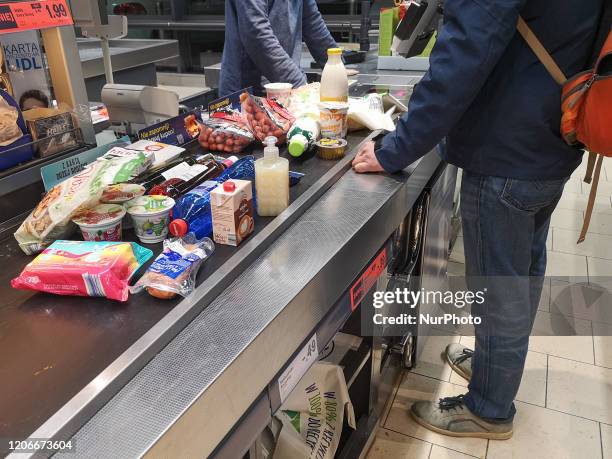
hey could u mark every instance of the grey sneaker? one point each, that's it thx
(451, 417)
(459, 358)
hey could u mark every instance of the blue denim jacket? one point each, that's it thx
(488, 93)
(263, 42)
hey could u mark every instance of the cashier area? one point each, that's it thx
(206, 259)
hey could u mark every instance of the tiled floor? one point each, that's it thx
(564, 404)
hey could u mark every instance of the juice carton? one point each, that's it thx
(231, 207)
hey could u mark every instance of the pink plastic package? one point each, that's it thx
(88, 268)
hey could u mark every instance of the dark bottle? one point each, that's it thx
(197, 174)
(176, 169)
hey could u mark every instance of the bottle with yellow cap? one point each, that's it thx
(334, 82)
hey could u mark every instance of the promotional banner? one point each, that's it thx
(25, 64)
(230, 101)
(174, 131)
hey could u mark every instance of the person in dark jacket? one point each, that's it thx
(499, 109)
(263, 42)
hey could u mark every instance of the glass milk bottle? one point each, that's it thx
(271, 181)
(334, 81)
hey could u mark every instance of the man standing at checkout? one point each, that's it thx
(263, 42)
(499, 109)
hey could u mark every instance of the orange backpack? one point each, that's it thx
(586, 104)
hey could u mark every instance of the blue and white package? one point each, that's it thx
(174, 270)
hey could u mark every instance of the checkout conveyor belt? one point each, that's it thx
(54, 346)
(125, 380)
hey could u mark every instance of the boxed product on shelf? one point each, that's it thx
(54, 134)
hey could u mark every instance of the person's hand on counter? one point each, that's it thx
(366, 160)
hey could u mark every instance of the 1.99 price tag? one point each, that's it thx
(15, 17)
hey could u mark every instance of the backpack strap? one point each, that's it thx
(588, 176)
(539, 50)
(592, 195)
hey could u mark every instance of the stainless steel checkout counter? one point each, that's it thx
(199, 377)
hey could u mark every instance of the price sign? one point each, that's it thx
(15, 17)
(298, 367)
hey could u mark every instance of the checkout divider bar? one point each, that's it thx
(74, 414)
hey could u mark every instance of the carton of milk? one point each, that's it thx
(231, 205)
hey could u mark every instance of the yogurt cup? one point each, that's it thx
(101, 223)
(150, 216)
(121, 193)
(333, 119)
(280, 92)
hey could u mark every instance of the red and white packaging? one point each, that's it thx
(225, 131)
(266, 117)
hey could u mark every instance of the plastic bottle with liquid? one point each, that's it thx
(334, 81)
(302, 135)
(191, 213)
(271, 181)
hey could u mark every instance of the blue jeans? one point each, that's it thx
(505, 226)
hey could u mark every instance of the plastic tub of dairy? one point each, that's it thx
(121, 193)
(150, 217)
(331, 148)
(333, 119)
(280, 92)
(101, 223)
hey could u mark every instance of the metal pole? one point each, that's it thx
(366, 23)
(106, 55)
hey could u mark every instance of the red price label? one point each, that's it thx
(367, 280)
(15, 17)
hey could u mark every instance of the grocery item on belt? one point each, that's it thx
(174, 271)
(266, 117)
(271, 181)
(101, 223)
(280, 92)
(121, 192)
(51, 219)
(232, 212)
(192, 177)
(225, 131)
(162, 152)
(302, 135)
(151, 216)
(84, 269)
(334, 119)
(175, 169)
(331, 148)
(192, 211)
(295, 177)
(334, 80)
(133, 163)
(369, 112)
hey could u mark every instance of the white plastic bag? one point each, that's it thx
(368, 112)
(313, 415)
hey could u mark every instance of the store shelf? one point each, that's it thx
(125, 54)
